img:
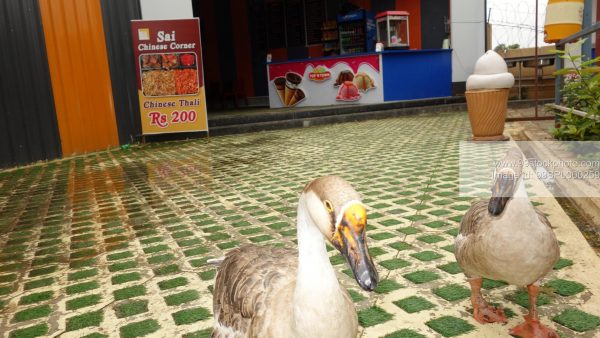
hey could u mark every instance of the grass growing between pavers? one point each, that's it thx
(199, 334)
(36, 298)
(394, 263)
(521, 297)
(449, 326)
(130, 292)
(565, 287)
(131, 308)
(78, 303)
(32, 313)
(373, 316)
(139, 329)
(420, 277)
(577, 320)
(32, 331)
(172, 283)
(85, 320)
(182, 297)
(189, 316)
(125, 277)
(404, 333)
(387, 285)
(414, 304)
(356, 296)
(452, 292)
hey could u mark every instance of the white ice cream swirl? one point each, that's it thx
(490, 72)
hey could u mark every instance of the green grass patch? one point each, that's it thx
(156, 248)
(82, 274)
(172, 283)
(227, 245)
(182, 297)
(426, 256)
(241, 224)
(189, 242)
(36, 297)
(201, 250)
(208, 274)
(250, 231)
(404, 333)
(449, 248)
(376, 251)
(420, 277)
(453, 232)
(38, 283)
(356, 296)
(449, 326)
(489, 284)
(43, 271)
(577, 320)
(166, 269)
(452, 292)
(277, 226)
(125, 277)
(414, 304)
(83, 253)
(382, 235)
(78, 303)
(562, 263)
(159, 259)
(30, 332)
(83, 263)
(213, 229)
(82, 245)
(400, 246)
(565, 287)
(261, 238)
(373, 316)
(436, 224)
(199, 334)
(387, 285)
(431, 239)
(82, 287)
(131, 308)
(337, 259)
(521, 297)
(182, 234)
(394, 263)
(409, 230)
(32, 313)
(139, 329)
(190, 315)
(451, 268)
(8, 278)
(85, 320)
(130, 292)
(10, 267)
(122, 266)
(120, 255)
(219, 236)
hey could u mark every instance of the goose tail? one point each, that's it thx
(216, 262)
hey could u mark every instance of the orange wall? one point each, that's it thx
(80, 76)
(242, 45)
(414, 20)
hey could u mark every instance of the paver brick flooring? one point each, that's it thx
(116, 243)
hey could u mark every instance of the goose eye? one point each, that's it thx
(329, 206)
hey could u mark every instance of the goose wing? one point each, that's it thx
(472, 220)
(246, 282)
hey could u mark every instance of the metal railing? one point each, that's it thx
(560, 45)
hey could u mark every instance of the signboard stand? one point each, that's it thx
(170, 80)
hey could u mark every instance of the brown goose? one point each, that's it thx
(274, 292)
(506, 238)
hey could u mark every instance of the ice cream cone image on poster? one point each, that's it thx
(280, 86)
(363, 82)
(487, 97)
(297, 98)
(292, 80)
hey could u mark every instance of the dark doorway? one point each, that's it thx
(434, 14)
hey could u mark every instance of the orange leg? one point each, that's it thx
(482, 311)
(532, 328)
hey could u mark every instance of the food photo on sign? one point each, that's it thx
(311, 84)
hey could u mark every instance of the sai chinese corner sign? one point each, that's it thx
(170, 82)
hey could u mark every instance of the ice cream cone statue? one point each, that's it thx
(292, 80)
(487, 97)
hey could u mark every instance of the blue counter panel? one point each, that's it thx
(409, 75)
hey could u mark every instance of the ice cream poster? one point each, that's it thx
(325, 82)
(170, 82)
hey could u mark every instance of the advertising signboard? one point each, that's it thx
(170, 81)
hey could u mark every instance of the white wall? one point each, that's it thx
(467, 27)
(166, 9)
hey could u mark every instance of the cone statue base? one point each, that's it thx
(487, 113)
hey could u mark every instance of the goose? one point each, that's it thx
(264, 291)
(506, 238)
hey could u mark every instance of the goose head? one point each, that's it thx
(507, 178)
(337, 211)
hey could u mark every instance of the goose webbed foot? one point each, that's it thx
(532, 328)
(482, 311)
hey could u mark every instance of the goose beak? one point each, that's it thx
(502, 191)
(350, 239)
